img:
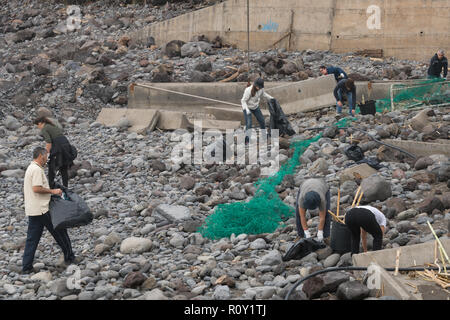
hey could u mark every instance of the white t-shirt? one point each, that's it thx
(379, 216)
(36, 204)
(249, 102)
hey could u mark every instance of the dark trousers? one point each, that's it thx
(248, 121)
(358, 218)
(326, 228)
(36, 226)
(52, 174)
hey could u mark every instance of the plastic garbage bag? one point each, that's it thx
(69, 211)
(278, 119)
(354, 153)
(302, 248)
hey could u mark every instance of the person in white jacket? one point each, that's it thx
(250, 104)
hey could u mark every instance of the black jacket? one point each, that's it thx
(436, 66)
(62, 152)
(343, 88)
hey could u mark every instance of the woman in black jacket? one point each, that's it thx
(61, 152)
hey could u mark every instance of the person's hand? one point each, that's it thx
(307, 234)
(247, 111)
(57, 192)
(340, 103)
(341, 76)
(320, 235)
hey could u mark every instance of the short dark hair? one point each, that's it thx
(38, 151)
(312, 200)
(350, 84)
(322, 67)
(43, 120)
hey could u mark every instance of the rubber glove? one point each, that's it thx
(307, 234)
(320, 235)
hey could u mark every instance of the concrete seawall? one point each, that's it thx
(406, 29)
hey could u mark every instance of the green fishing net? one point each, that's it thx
(420, 93)
(265, 211)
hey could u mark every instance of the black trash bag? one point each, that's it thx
(70, 211)
(368, 107)
(302, 248)
(372, 161)
(354, 153)
(278, 119)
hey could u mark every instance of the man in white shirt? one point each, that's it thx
(363, 219)
(37, 198)
(250, 104)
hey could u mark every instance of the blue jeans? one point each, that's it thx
(36, 226)
(248, 121)
(326, 228)
(350, 99)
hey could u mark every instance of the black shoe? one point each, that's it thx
(28, 271)
(74, 260)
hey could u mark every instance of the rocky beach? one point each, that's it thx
(143, 243)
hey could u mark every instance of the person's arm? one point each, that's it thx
(244, 100)
(48, 147)
(267, 96)
(42, 190)
(335, 92)
(302, 213)
(364, 239)
(445, 68)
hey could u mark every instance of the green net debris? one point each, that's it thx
(265, 211)
(420, 93)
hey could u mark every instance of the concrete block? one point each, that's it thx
(140, 119)
(170, 120)
(421, 149)
(232, 114)
(410, 256)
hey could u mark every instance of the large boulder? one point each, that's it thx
(193, 49)
(352, 290)
(327, 282)
(375, 188)
(173, 48)
(135, 245)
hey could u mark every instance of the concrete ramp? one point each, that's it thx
(172, 120)
(140, 119)
(232, 114)
(410, 256)
(308, 95)
(421, 149)
(294, 97)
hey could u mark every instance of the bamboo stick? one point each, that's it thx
(336, 217)
(356, 196)
(397, 262)
(360, 197)
(338, 201)
(439, 241)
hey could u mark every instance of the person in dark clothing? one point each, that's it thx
(59, 149)
(345, 89)
(363, 219)
(438, 64)
(338, 73)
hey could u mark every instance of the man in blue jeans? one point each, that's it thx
(250, 105)
(345, 89)
(37, 195)
(313, 193)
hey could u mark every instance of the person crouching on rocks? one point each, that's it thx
(363, 219)
(61, 153)
(37, 194)
(313, 194)
(250, 105)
